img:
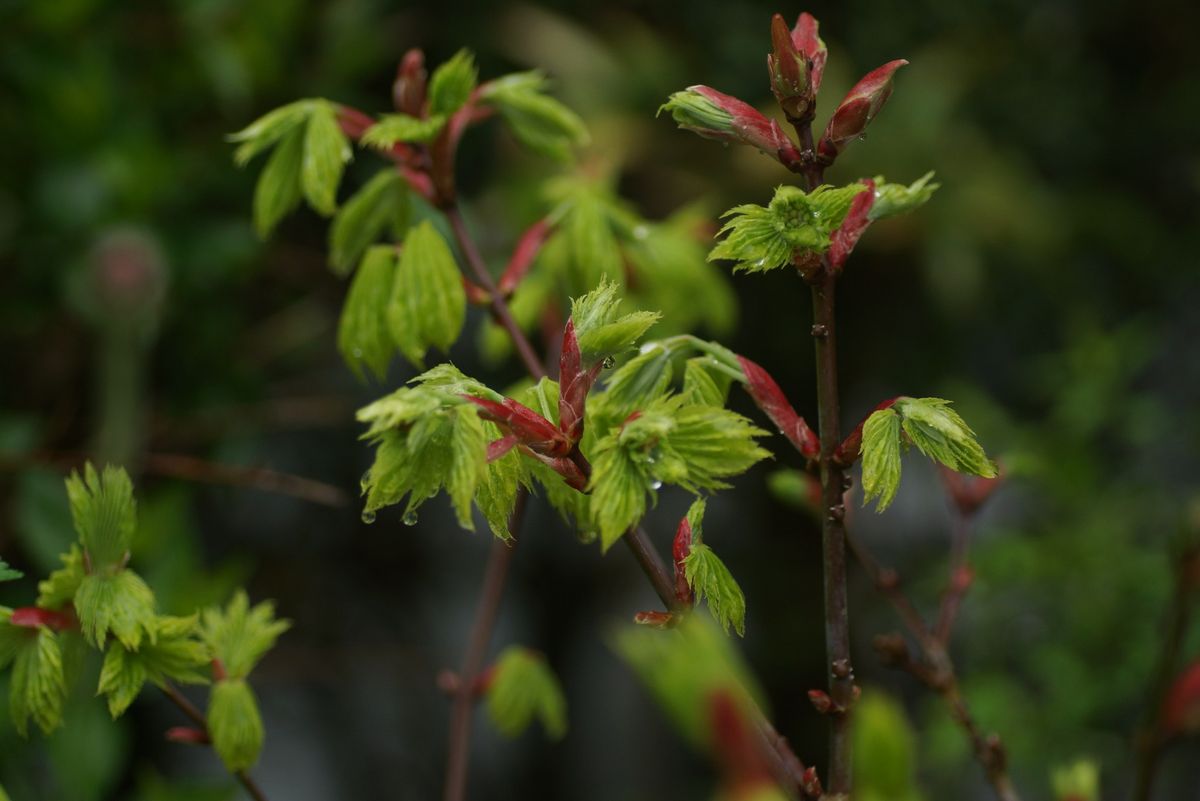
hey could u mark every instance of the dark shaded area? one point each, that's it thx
(1049, 289)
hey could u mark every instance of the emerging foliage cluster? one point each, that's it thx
(96, 599)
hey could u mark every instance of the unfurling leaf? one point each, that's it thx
(881, 457)
(238, 636)
(37, 688)
(711, 580)
(393, 128)
(521, 687)
(174, 655)
(363, 335)
(279, 189)
(428, 304)
(601, 327)
(235, 725)
(537, 120)
(104, 513)
(452, 83)
(794, 224)
(117, 603)
(716, 115)
(892, 199)
(269, 130)
(326, 151)
(929, 424)
(381, 205)
(59, 589)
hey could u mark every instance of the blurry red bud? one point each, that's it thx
(847, 235)
(1181, 708)
(476, 295)
(657, 620)
(188, 735)
(740, 752)
(810, 783)
(523, 255)
(32, 617)
(408, 91)
(770, 398)
(218, 670)
(969, 493)
(858, 108)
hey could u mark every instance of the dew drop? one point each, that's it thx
(368, 516)
(656, 484)
(410, 517)
(609, 362)
(649, 346)
(641, 232)
(365, 480)
(358, 353)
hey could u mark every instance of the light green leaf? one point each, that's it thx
(104, 513)
(235, 725)
(37, 688)
(382, 204)
(704, 385)
(278, 190)
(633, 386)
(600, 326)
(881, 457)
(268, 130)
(452, 83)
(618, 488)
(428, 303)
(363, 335)
(326, 151)
(538, 121)
(892, 199)
(884, 748)
(523, 687)
(239, 636)
(496, 494)
(684, 667)
(713, 443)
(711, 579)
(794, 223)
(468, 462)
(7, 573)
(118, 603)
(1079, 781)
(942, 435)
(174, 655)
(393, 128)
(59, 589)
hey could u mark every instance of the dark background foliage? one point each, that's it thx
(1049, 288)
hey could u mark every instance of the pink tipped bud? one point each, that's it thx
(806, 38)
(408, 91)
(770, 398)
(848, 233)
(715, 115)
(523, 255)
(969, 493)
(858, 108)
(789, 69)
(530, 428)
(740, 752)
(680, 548)
(575, 381)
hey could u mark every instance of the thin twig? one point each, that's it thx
(459, 747)
(934, 669)
(189, 709)
(191, 468)
(960, 576)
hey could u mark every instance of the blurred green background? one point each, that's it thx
(1050, 288)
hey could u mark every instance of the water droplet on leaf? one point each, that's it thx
(368, 516)
(609, 362)
(656, 484)
(410, 517)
